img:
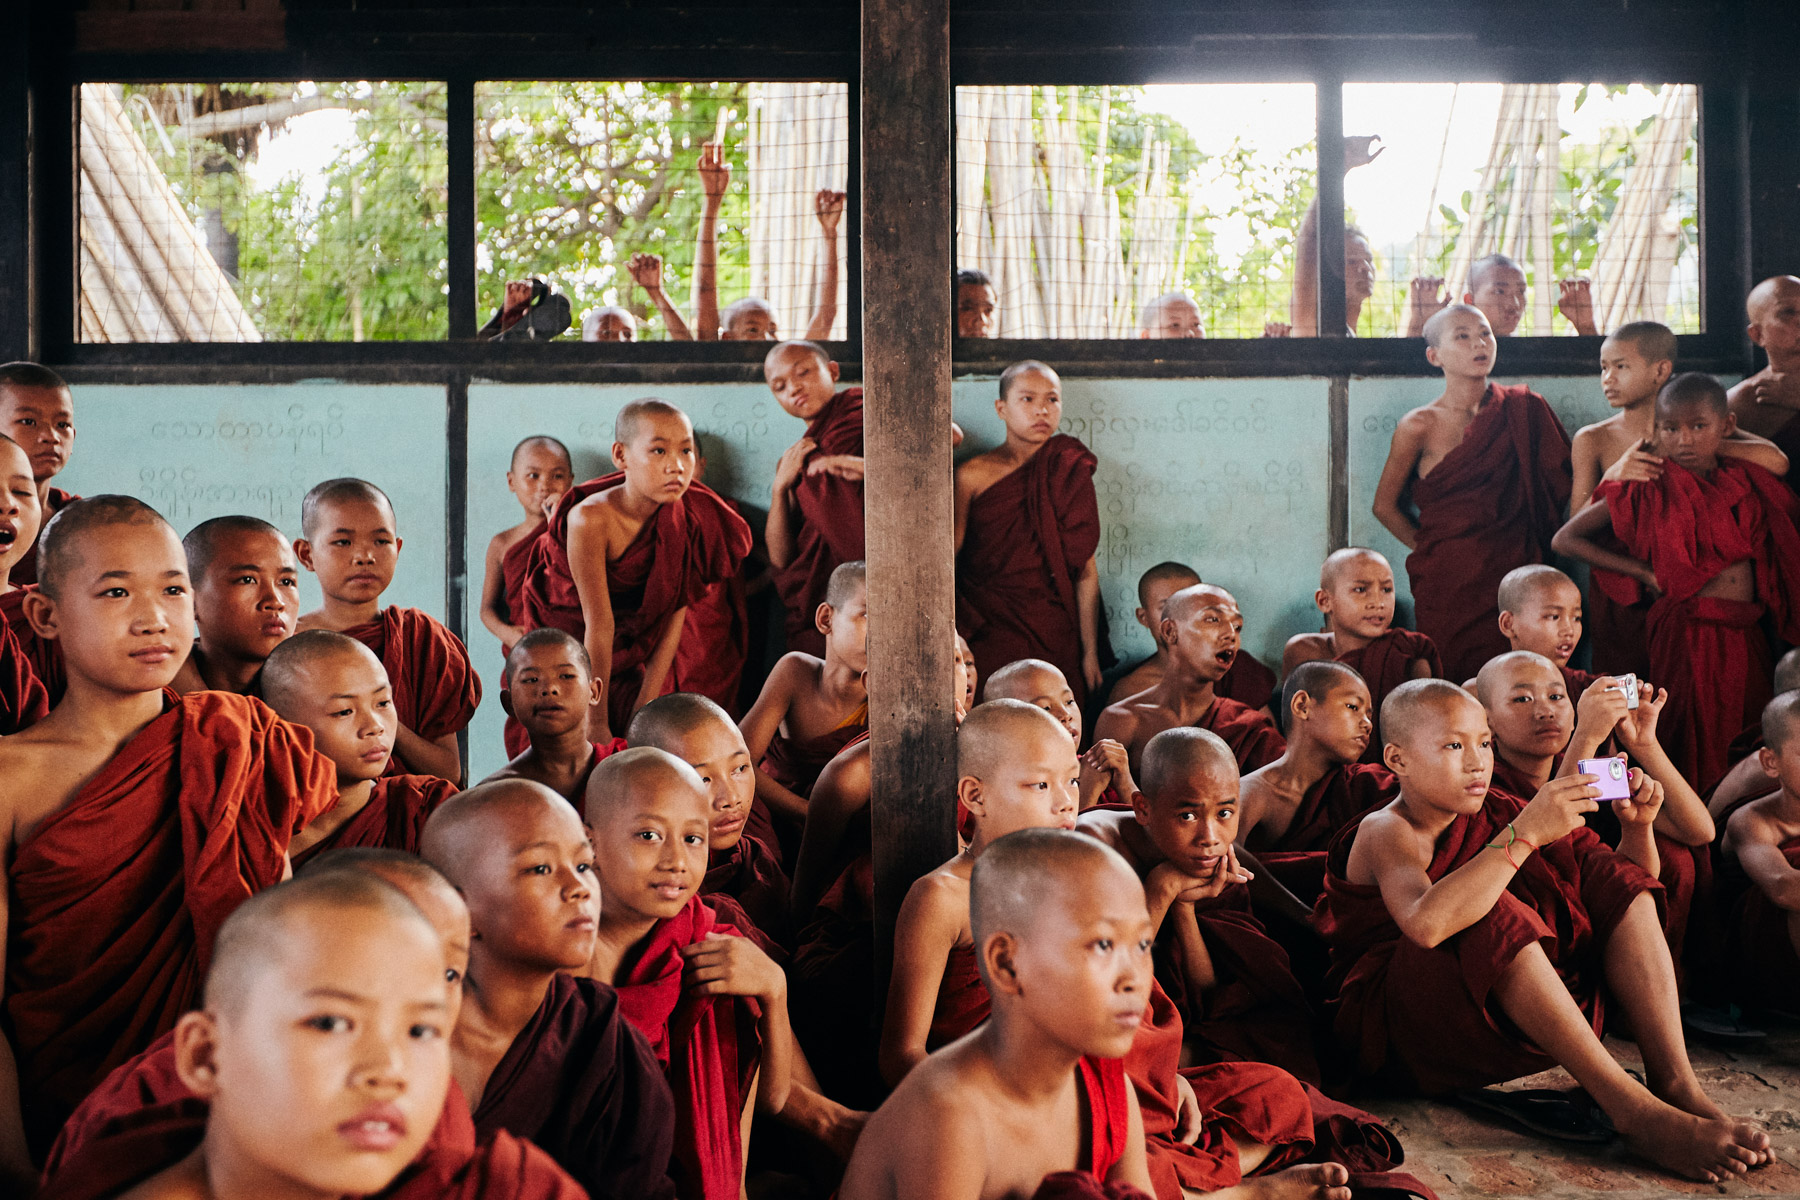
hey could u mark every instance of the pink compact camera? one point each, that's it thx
(1614, 783)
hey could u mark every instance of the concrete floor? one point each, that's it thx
(1461, 1153)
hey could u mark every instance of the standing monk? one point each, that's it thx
(1027, 526)
(134, 821)
(539, 475)
(1487, 470)
(37, 412)
(1766, 403)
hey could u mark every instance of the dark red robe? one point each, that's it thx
(1026, 541)
(831, 997)
(116, 896)
(830, 529)
(436, 689)
(690, 544)
(1427, 1020)
(708, 1047)
(1337, 799)
(1252, 737)
(23, 700)
(25, 570)
(1385, 664)
(44, 654)
(1491, 505)
(1763, 967)
(1710, 653)
(962, 1000)
(751, 875)
(1248, 682)
(795, 765)
(715, 643)
(514, 565)
(393, 818)
(581, 1084)
(1787, 438)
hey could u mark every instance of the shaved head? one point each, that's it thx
(629, 424)
(286, 673)
(383, 862)
(1498, 670)
(468, 823)
(1445, 318)
(1521, 585)
(59, 545)
(641, 768)
(1654, 341)
(1182, 753)
(1482, 267)
(1787, 671)
(846, 580)
(666, 720)
(1164, 572)
(1692, 388)
(547, 636)
(1316, 677)
(991, 733)
(340, 491)
(1780, 720)
(1189, 600)
(540, 441)
(260, 930)
(1015, 680)
(203, 540)
(1764, 294)
(1023, 873)
(1339, 561)
(782, 351)
(1415, 704)
(1023, 367)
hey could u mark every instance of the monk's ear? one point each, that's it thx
(832, 369)
(618, 455)
(1508, 623)
(968, 792)
(1394, 758)
(1730, 423)
(1140, 807)
(1143, 618)
(595, 695)
(1301, 708)
(1431, 356)
(303, 552)
(1000, 954)
(506, 701)
(196, 1053)
(1664, 369)
(40, 610)
(1322, 600)
(822, 619)
(1770, 762)
(1755, 332)
(1168, 627)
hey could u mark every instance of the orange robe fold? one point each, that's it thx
(23, 700)
(830, 530)
(394, 817)
(1491, 505)
(690, 544)
(1710, 653)
(1385, 664)
(1427, 1020)
(1338, 799)
(25, 570)
(708, 1046)
(117, 896)
(1026, 541)
(436, 689)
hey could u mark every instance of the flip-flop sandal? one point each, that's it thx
(1547, 1113)
(1720, 1024)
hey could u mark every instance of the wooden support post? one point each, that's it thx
(906, 320)
(1329, 104)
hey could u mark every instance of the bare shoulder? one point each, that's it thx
(1305, 647)
(843, 786)
(1120, 721)
(1104, 825)
(936, 1117)
(1753, 823)
(1420, 421)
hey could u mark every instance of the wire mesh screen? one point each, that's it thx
(603, 190)
(1085, 204)
(309, 211)
(1590, 190)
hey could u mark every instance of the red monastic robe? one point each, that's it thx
(795, 765)
(1027, 539)
(715, 643)
(25, 570)
(750, 874)
(690, 544)
(1338, 799)
(1710, 653)
(1427, 1020)
(582, 1085)
(436, 689)
(1491, 505)
(1248, 682)
(708, 1046)
(23, 700)
(44, 655)
(1385, 664)
(831, 997)
(514, 565)
(830, 529)
(394, 817)
(116, 897)
(1252, 737)
(962, 1001)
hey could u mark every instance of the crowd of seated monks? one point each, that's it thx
(263, 938)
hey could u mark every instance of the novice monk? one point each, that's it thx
(973, 291)
(1201, 627)
(625, 554)
(711, 1004)
(1061, 941)
(1714, 540)
(1292, 808)
(1232, 984)
(23, 697)
(1746, 780)
(38, 413)
(810, 709)
(1765, 403)
(1027, 527)
(1356, 594)
(349, 540)
(1487, 470)
(1473, 936)
(319, 1064)
(1105, 768)
(1016, 769)
(540, 473)
(1172, 315)
(336, 687)
(549, 689)
(134, 822)
(1248, 681)
(816, 510)
(539, 1052)
(1541, 611)
(1762, 839)
(1539, 732)
(246, 599)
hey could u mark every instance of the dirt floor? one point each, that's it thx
(1462, 1153)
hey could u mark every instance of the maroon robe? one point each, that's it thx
(1427, 1020)
(1248, 682)
(715, 644)
(1336, 800)
(435, 687)
(25, 570)
(116, 896)
(1763, 965)
(1491, 505)
(1252, 737)
(1026, 541)
(581, 1083)
(394, 817)
(44, 654)
(23, 700)
(1385, 664)
(962, 1001)
(831, 996)
(690, 544)
(750, 874)
(830, 529)
(1710, 653)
